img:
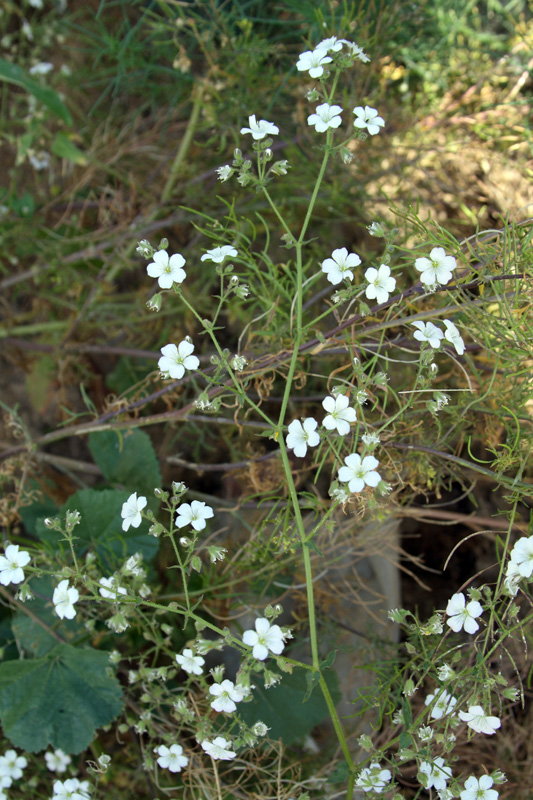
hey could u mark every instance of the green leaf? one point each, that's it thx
(100, 528)
(340, 774)
(283, 710)
(31, 635)
(63, 147)
(59, 700)
(11, 73)
(127, 459)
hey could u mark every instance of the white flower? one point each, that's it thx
(110, 589)
(330, 45)
(380, 283)
(190, 663)
(373, 778)
(462, 614)
(368, 118)
(480, 722)
(453, 336)
(339, 414)
(172, 757)
(437, 269)
(445, 672)
(11, 564)
(167, 269)
(131, 511)
(265, 637)
(11, 766)
(224, 173)
(479, 789)
(357, 473)
(238, 363)
(260, 129)
(428, 332)
(194, 514)
(299, 437)
(218, 254)
(218, 749)
(176, 360)
(42, 68)
(226, 694)
(356, 51)
(443, 705)
(375, 229)
(64, 598)
(57, 761)
(370, 439)
(313, 61)
(71, 789)
(437, 774)
(340, 265)
(521, 558)
(325, 117)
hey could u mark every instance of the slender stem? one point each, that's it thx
(197, 96)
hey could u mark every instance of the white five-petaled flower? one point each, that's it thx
(453, 336)
(437, 269)
(480, 722)
(380, 283)
(57, 761)
(313, 61)
(339, 414)
(226, 694)
(11, 766)
(64, 598)
(172, 757)
(462, 614)
(167, 269)
(301, 436)
(428, 332)
(260, 129)
(442, 704)
(176, 360)
(340, 265)
(521, 558)
(368, 118)
(190, 663)
(358, 473)
(131, 511)
(194, 514)
(325, 117)
(373, 778)
(437, 774)
(218, 254)
(219, 749)
(11, 564)
(71, 789)
(109, 588)
(479, 789)
(265, 638)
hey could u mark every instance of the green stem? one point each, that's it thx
(197, 96)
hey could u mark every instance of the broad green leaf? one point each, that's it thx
(282, 707)
(63, 147)
(127, 458)
(12, 73)
(100, 529)
(33, 630)
(59, 700)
